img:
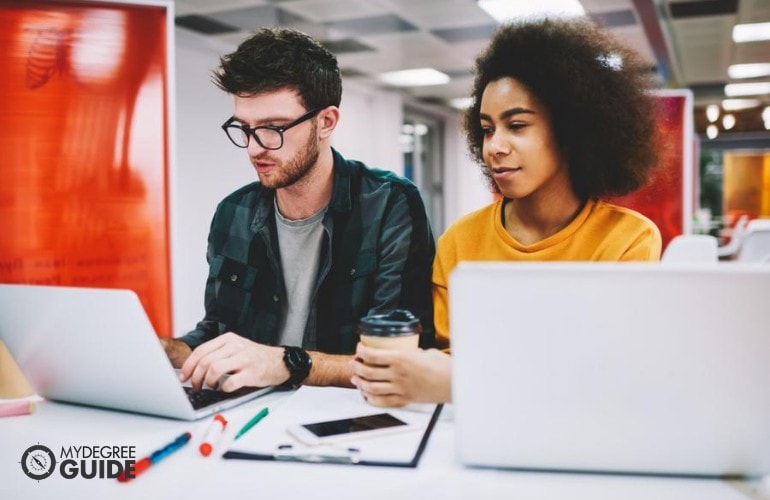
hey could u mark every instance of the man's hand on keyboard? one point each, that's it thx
(248, 364)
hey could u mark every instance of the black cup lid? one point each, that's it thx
(394, 323)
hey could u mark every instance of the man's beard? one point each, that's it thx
(296, 168)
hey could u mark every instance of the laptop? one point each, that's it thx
(612, 367)
(97, 347)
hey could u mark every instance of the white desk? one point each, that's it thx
(187, 475)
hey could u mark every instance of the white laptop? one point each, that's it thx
(612, 367)
(97, 347)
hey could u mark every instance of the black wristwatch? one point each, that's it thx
(298, 361)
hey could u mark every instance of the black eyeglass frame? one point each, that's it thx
(252, 131)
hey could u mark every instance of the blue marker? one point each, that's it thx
(155, 457)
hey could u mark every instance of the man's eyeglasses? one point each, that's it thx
(268, 136)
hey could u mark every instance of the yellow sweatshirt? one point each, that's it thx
(600, 232)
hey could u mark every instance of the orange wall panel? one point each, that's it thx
(747, 184)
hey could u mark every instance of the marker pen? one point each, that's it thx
(213, 435)
(155, 457)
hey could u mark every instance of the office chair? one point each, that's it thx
(731, 249)
(691, 248)
(756, 242)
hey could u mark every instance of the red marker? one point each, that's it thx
(213, 435)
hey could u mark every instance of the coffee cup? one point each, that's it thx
(398, 329)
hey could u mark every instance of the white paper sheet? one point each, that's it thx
(317, 404)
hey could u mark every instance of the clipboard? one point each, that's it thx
(269, 441)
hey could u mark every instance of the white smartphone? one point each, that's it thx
(347, 428)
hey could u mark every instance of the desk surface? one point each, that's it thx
(188, 475)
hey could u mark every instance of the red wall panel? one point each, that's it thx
(84, 148)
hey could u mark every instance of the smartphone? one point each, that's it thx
(347, 428)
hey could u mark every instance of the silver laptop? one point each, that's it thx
(97, 347)
(612, 367)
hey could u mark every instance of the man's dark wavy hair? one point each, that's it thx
(277, 58)
(602, 114)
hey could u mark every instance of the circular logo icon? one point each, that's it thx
(38, 462)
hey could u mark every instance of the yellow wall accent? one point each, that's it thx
(747, 184)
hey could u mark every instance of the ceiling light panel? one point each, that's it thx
(753, 88)
(504, 10)
(753, 70)
(755, 32)
(418, 77)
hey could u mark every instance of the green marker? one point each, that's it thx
(251, 423)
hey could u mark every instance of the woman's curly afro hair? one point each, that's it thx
(595, 90)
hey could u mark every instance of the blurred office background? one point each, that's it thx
(717, 52)
(414, 126)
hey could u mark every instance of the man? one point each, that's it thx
(296, 259)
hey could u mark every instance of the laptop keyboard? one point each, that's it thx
(207, 397)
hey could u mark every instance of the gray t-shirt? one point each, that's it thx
(299, 242)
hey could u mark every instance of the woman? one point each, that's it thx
(561, 118)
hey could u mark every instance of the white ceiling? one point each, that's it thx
(688, 41)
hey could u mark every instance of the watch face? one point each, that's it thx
(38, 462)
(298, 359)
(298, 362)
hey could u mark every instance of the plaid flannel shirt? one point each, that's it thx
(376, 255)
